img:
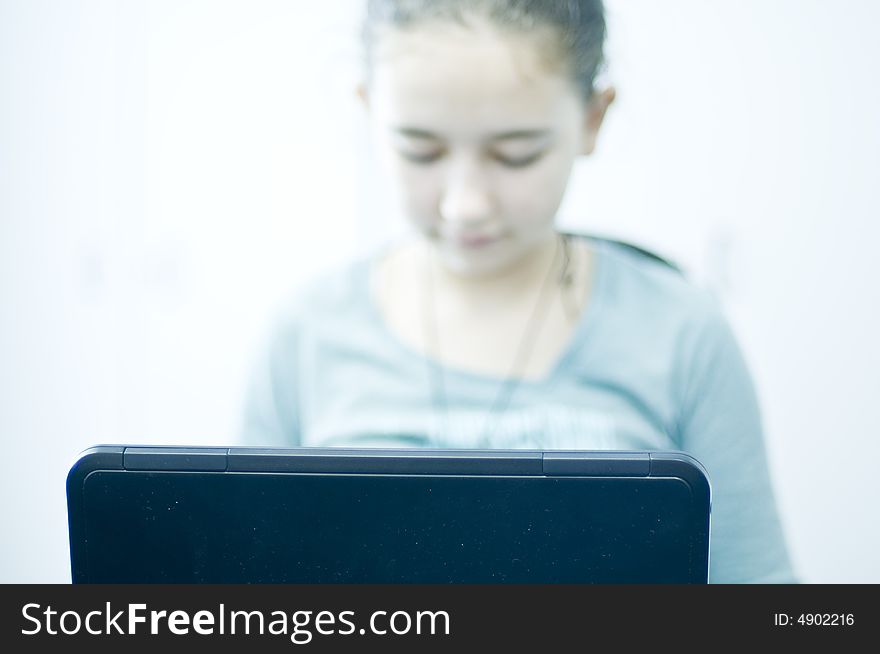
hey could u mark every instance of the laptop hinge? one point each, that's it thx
(585, 464)
(209, 459)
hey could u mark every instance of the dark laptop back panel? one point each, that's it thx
(182, 515)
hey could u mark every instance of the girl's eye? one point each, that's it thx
(518, 162)
(510, 162)
(426, 158)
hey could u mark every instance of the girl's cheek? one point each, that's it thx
(533, 197)
(416, 204)
(420, 189)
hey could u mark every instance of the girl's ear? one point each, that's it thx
(594, 116)
(363, 95)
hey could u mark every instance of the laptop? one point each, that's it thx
(333, 515)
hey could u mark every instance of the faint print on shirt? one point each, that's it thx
(539, 427)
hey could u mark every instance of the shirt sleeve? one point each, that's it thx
(271, 407)
(720, 424)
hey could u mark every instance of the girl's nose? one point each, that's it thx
(466, 198)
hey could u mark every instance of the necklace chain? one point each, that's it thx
(510, 383)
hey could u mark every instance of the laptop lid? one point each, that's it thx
(309, 515)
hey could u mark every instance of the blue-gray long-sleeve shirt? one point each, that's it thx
(652, 365)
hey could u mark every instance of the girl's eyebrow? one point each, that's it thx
(511, 135)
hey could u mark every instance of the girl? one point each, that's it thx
(490, 328)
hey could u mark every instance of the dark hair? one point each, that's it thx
(576, 27)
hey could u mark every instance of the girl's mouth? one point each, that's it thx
(475, 241)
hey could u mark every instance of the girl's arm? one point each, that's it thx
(720, 424)
(271, 408)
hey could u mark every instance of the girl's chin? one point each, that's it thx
(476, 262)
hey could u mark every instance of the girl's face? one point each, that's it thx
(480, 136)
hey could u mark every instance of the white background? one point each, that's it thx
(170, 169)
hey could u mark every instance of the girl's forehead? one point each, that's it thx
(459, 77)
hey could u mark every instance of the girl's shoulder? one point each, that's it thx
(631, 270)
(635, 253)
(334, 294)
(642, 291)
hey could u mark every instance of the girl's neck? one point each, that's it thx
(499, 286)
